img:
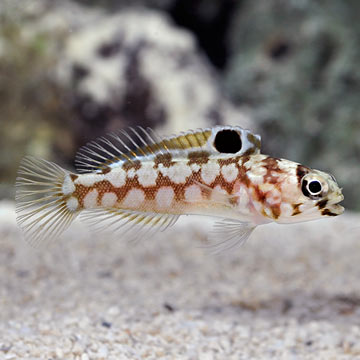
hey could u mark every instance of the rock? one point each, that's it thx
(34, 118)
(74, 73)
(207, 20)
(119, 74)
(116, 5)
(295, 64)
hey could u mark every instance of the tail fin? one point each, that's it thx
(42, 212)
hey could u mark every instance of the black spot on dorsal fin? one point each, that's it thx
(228, 141)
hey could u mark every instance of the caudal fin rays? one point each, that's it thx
(41, 209)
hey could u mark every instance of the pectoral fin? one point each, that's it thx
(229, 234)
(216, 195)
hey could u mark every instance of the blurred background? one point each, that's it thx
(71, 71)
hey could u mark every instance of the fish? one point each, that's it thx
(135, 183)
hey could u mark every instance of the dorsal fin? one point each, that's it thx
(140, 144)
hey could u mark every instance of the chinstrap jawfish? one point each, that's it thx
(138, 183)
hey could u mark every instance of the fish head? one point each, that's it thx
(310, 194)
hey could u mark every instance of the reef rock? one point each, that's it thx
(295, 63)
(137, 68)
(73, 73)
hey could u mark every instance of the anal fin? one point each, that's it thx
(128, 223)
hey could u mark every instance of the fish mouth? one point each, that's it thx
(333, 210)
(333, 207)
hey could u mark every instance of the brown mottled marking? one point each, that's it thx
(136, 165)
(80, 192)
(227, 186)
(232, 160)
(328, 213)
(73, 177)
(244, 159)
(249, 152)
(260, 195)
(301, 171)
(198, 157)
(106, 170)
(233, 200)
(296, 209)
(164, 159)
(271, 165)
(321, 203)
(150, 192)
(102, 187)
(275, 209)
(254, 140)
(179, 189)
(242, 176)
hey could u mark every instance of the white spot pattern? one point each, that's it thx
(68, 186)
(164, 197)
(134, 199)
(256, 175)
(72, 203)
(195, 167)
(131, 173)
(254, 160)
(147, 175)
(109, 199)
(89, 179)
(193, 193)
(243, 197)
(177, 173)
(90, 200)
(116, 177)
(229, 172)
(273, 197)
(286, 210)
(209, 172)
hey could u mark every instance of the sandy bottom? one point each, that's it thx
(292, 292)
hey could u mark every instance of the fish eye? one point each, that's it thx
(312, 188)
(228, 141)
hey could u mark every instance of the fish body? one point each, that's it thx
(218, 172)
